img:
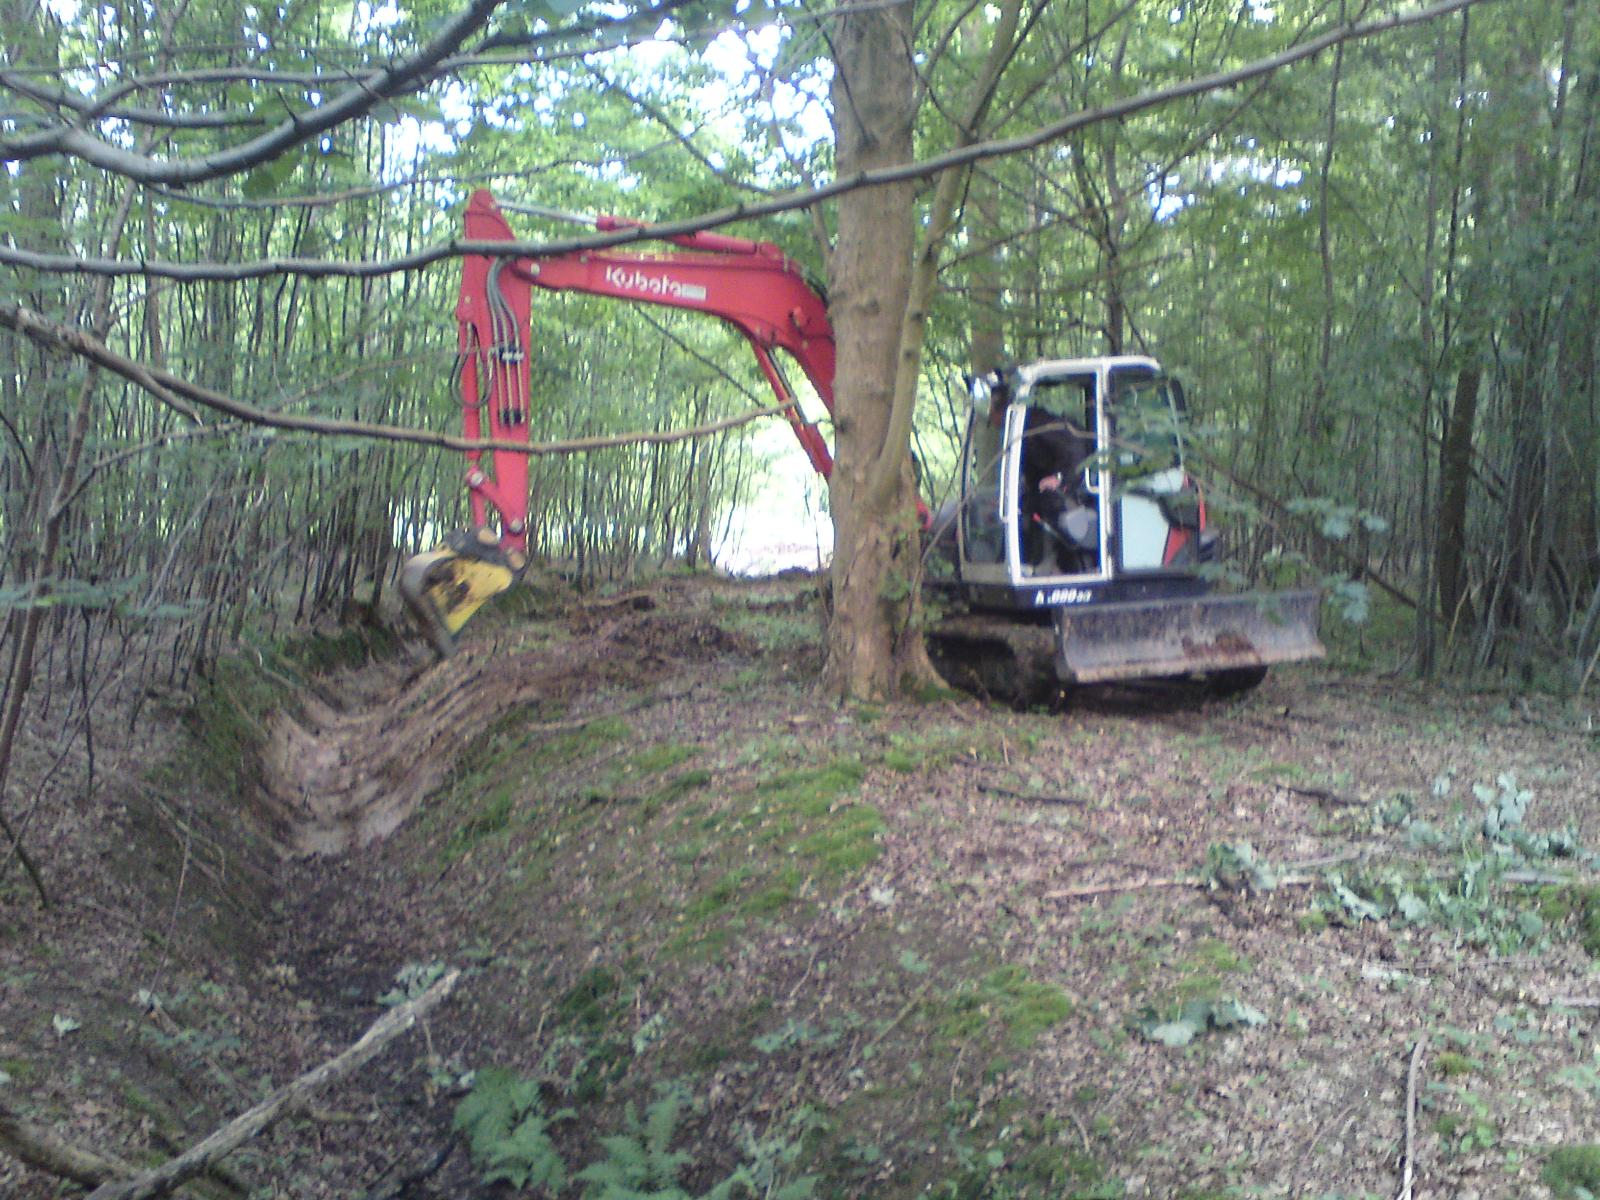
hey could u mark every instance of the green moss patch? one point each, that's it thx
(1573, 1171)
(1007, 1003)
(795, 831)
(1577, 908)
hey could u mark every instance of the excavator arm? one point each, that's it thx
(751, 285)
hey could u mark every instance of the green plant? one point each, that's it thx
(1194, 1018)
(507, 1131)
(1573, 1172)
(1577, 906)
(1470, 1129)
(1008, 1001)
(641, 1164)
(411, 980)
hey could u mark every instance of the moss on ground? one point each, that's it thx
(794, 834)
(1576, 907)
(1571, 1172)
(1005, 1003)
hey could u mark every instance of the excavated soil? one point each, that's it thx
(931, 949)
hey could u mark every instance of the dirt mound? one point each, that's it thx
(351, 764)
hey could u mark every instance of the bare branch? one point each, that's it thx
(83, 106)
(281, 1103)
(664, 119)
(368, 89)
(171, 389)
(962, 156)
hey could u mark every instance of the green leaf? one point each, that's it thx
(1173, 1033)
(1413, 908)
(1230, 1014)
(911, 961)
(1355, 905)
(1336, 525)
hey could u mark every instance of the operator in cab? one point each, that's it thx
(1059, 527)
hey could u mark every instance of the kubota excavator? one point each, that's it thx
(1070, 556)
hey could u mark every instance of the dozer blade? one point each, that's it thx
(1190, 635)
(445, 586)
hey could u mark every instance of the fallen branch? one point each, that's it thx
(286, 1100)
(47, 1151)
(39, 1147)
(1322, 794)
(1133, 885)
(1411, 1119)
(1030, 797)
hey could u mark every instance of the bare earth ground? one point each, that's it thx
(1153, 944)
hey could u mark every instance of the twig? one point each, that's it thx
(1339, 1120)
(1537, 878)
(1031, 797)
(905, 1011)
(47, 1151)
(1133, 885)
(281, 1103)
(403, 1185)
(1411, 1118)
(1319, 794)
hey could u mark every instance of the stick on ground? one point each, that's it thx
(281, 1103)
(1411, 1119)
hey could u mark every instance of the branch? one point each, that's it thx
(47, 1151)
(173, 390)
(281, 1103)
(39, 1147)
(962, 156)
(364, 92)
(663, 119)
(1351, 560)
(1411, 1119)
(65, 98)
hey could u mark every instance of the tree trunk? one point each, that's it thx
(873, 641)
(1455, 474)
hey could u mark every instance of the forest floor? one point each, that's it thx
(715, 930)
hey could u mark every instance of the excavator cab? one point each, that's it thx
(1075, 505)
(1073, 480)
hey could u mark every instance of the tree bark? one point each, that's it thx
(1455, 476)
(872, 639)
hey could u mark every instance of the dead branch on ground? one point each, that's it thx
(288, 1099)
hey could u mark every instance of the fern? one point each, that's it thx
(640, 1164)
(508, 1132)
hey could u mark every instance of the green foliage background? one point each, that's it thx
(1330, 256)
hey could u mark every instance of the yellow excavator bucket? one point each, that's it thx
(446, 586)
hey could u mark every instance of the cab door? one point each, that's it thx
(1146, 456)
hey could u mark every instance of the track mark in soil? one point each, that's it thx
(350, 766)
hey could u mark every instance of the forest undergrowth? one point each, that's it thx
(718, 937)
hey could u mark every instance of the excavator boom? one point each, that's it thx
(751, 285)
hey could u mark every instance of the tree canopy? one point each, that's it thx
(1364, 231)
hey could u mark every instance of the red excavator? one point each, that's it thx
(1071, 554)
